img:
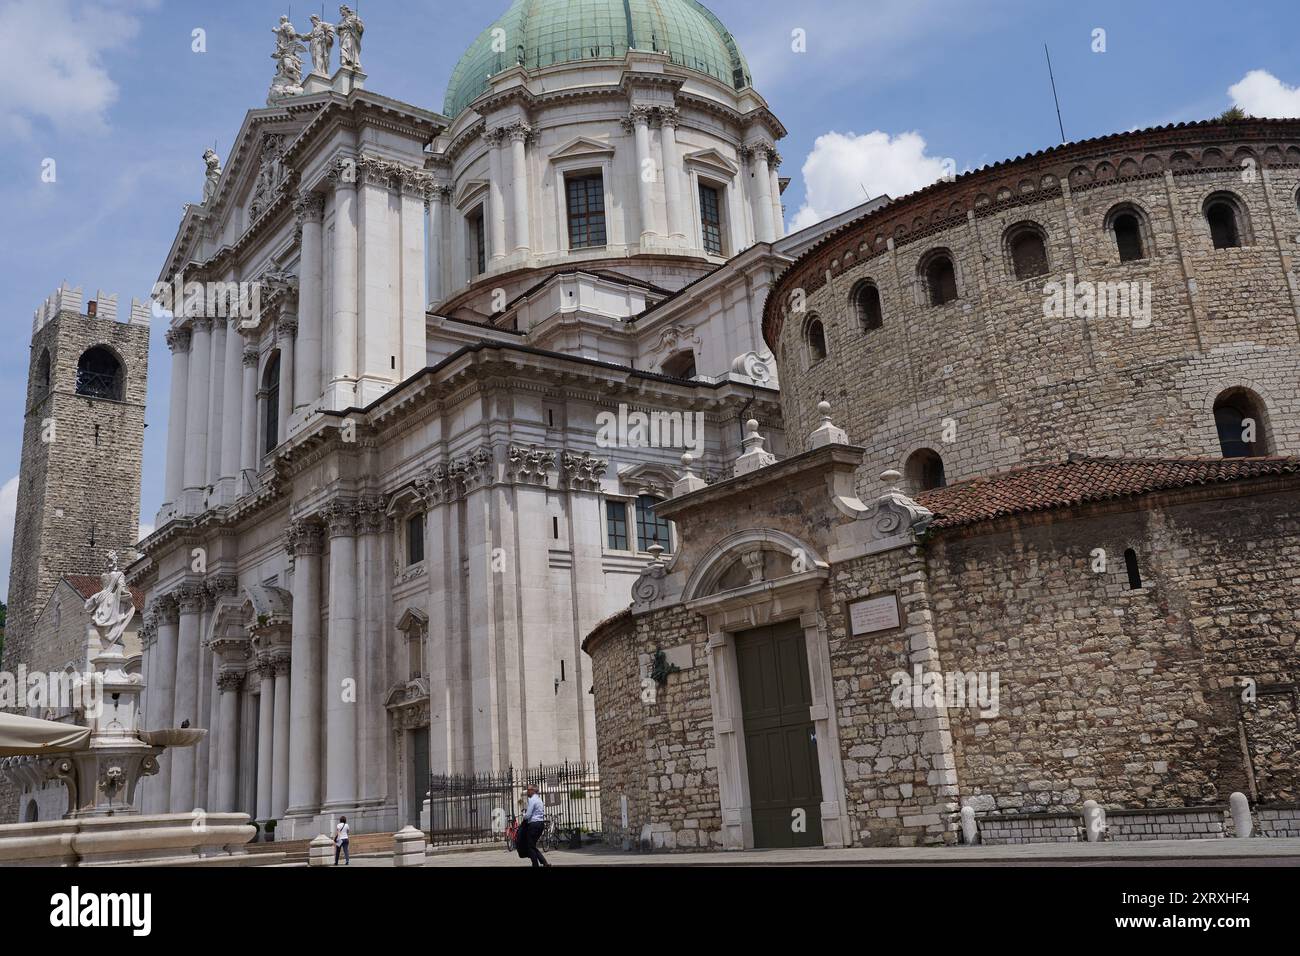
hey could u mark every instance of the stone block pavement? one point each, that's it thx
(1165, 853)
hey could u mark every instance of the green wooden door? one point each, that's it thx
(785, 791)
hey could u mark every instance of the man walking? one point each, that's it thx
(342, 833)
(530, 831)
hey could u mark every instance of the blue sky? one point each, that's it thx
(113, 92)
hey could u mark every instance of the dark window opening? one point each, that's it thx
(681, 365)
(925, 470)
(1131, 565)
(867, 301)
(941, 280)
(586, 203)
(478, 240)
(1128, 237)
(99, 374)
(816, 340)
(271, 382)
(1240, 425)
(555, 527)
(1224, 230)
(711, 219)
(415, 539)
(616, 524)
(1028, 255)
(43, 375)
(651, 529)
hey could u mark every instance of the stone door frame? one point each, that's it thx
(730, 613)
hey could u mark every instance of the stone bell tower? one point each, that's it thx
(83, 440)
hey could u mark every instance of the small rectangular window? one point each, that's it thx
(415, 539)
(616, 522)
(711, 219)
(585, 196)
(478, 241)
(650, 528)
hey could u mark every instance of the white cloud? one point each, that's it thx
(844, 169)
(1260, 93)
(52, 62)
(8, 510)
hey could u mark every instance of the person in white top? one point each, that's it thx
(530, 830)
(341, 834)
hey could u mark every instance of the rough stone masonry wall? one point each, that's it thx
(660, 753)
(1125, 696)
(900, 779)
(1023, 388)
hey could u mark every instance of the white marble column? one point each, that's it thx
(762, 198)
(519, 134)
(229, 683)
(373, 679)
(286, 328)
(162, 693)
(216, 397)
(196, 407)
(645, 178)
(671, 170)
(341, 387)
(340, 659)
(410, 348)
(190, 599)
(304, 749)
(280, 739)
(178, 340)
(435, 217)
(231, 410)
(778, 215)
(496, 217)
(248, 421)
(307, 357)
(265, 735)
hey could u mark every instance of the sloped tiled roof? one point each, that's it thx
(1084, 480)
(87, 585)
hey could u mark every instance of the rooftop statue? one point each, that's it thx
(350, 29)
(212, 176)
(320, 40)
(288, 57)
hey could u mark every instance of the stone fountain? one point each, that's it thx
(102, 825)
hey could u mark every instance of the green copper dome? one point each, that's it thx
(540, 33)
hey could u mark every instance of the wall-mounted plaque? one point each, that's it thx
(873, 614)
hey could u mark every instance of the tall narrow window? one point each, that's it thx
(816, 337)
(616, 525)
(1131, 565)
(711, 219)
(1028, 252)
(866, 302)
(271, 388)
(1128, 237)
(42, 381)
(651, 529)
(415, 539)
(478, 240)
(586, 205)
(941, 280)
(1225, 229)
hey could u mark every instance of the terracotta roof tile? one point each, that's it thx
(1082, 480)
(87, 585)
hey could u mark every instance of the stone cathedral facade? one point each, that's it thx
(431, 374)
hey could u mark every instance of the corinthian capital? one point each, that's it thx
(309, 207)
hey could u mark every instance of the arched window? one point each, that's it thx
(866, 303)
(650, 528)
(42, 377)
(1127, 229)
(815, 335)
(680, 364)
(940, 279)
(1028, 251)
(271, 412)
(1239, 420)
(1226, 219)
(33, 814)
(924, 470)
(1131, 566)
(99, 374)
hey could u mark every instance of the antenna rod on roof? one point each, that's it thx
(1055, 99)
